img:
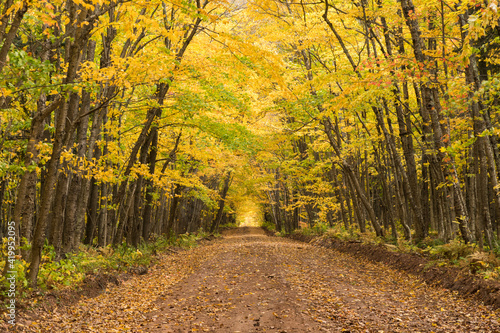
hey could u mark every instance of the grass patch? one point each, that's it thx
(269, 226)
(230, 225)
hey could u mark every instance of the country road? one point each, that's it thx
(249, 282)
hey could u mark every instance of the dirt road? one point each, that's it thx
(248, 282)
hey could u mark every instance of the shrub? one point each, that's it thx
(454, 250)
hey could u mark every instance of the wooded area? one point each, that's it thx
(122, 120)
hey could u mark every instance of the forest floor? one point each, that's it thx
(249, 282)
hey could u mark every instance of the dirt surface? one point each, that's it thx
(249, 282)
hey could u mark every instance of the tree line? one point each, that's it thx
(393, 118)
(122, 120)
(99, 143)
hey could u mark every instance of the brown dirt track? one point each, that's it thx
(249, 282)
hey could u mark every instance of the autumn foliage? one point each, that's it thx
(123, 120)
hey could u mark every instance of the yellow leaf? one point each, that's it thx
(5, 92)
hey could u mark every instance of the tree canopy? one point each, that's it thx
(125, 119)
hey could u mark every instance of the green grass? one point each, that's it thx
(268, 225)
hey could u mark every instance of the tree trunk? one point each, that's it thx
(354, 180)
(7, 38)
(173, 208)
(148, 204)
(430, 112)
(222, 201)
